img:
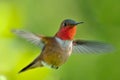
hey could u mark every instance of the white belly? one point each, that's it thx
(66, 45)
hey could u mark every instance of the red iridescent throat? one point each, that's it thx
(66, 33)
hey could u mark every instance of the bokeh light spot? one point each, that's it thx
(2, 77)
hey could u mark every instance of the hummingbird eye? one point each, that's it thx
(64, 24)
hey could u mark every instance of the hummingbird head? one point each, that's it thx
(67, 29)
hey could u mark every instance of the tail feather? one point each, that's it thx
(31, 66)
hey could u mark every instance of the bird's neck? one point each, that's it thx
(66, 33)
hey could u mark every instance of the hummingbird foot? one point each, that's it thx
(49, 65)
(55, 67)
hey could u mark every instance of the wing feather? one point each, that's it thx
(33, 38)
(82, 46)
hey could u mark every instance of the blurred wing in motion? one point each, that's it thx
(81, 46)
(35, 39)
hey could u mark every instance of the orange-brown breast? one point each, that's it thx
(53, 53)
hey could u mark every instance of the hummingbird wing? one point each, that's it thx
(33, 38)
(82, 46)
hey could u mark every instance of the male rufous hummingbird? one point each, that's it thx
(57, 49)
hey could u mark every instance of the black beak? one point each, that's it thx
(78, 23)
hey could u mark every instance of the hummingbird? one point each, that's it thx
(57, 49)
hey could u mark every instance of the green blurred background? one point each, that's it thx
(102, 23)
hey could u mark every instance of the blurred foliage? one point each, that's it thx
(102, 22)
